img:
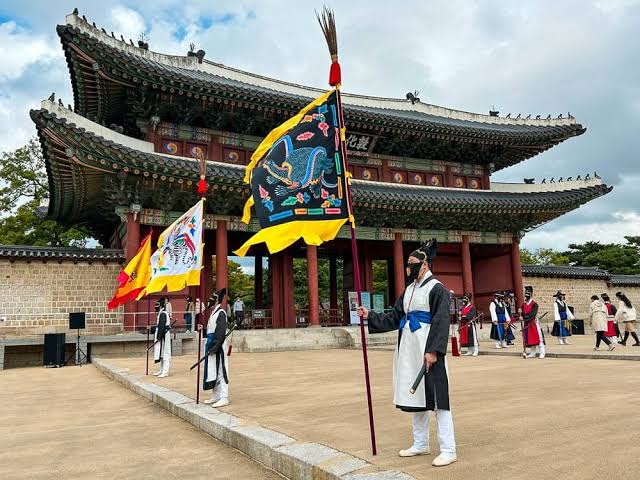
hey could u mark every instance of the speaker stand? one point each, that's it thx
(79, 355)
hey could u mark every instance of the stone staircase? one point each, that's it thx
(279, 340)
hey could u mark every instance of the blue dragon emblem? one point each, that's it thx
(302, 168)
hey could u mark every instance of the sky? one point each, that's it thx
(530, 56)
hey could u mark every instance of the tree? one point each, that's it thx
(23, 186)
(238, 283)
(543, 256)
(620, 259)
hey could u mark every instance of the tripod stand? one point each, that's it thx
(78, 354)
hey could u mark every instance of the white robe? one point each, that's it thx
(217, 362)
(162, 349)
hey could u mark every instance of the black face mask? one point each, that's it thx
(414, 271)
(527, 296)
(465, 302)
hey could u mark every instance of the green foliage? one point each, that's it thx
(543, 256)
(621, 259)
(23, 185)
(239, 283)
(380, 281)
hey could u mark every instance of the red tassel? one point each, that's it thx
(454, 347)
(229, 350)
(202, 186)
(335, 77)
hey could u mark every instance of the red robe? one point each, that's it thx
(464, 326)
(530, 335)
(611, 324)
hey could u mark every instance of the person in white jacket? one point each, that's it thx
(598, 317)
(627, 313)
(499, 319)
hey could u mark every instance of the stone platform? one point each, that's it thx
(555, 418)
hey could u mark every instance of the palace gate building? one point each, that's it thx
(122, 161)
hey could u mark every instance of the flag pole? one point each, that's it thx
(328, 26)
(202, 191)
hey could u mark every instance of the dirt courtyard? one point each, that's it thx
(514, 418)
(74, 422)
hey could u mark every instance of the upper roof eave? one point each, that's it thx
(208, 71)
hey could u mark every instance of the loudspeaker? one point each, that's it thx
(54, 349)
(76, 320)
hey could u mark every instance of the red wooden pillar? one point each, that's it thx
(467, 275)
(133, 243)
(275, 272)
(333, 282)
(516, 271)
(258, 281)
(222, 250)
(288, 301)
(398, 264)
(312, 286)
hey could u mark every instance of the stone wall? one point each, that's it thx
(578, 292)
(36, 297)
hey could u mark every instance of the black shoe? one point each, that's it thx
(623, 343)
(636, 344)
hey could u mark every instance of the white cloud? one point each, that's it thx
(20, 49)
(127, 20)
(621, 224)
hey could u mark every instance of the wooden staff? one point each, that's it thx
(328, 26)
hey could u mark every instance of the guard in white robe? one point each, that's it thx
(499, 320)
(162, 340)
(421, 316)
(216, 365)
(562, 316)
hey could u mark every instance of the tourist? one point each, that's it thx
(598, 316)
(562, 316)
(421, 316)
(188, 314)
(498, 320)
(532, 335)
(509, 300)
(238, 310)
(627, 313)
(468, 331)
(613, 331)
(162, 339)
(216, 366)
(169, 307)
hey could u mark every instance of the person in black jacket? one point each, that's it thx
(216, 366)
(421, 316)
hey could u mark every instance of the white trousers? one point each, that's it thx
(446, 437)
(221, 390)
(165, 365)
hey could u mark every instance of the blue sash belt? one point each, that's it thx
(563, 315)
(415, 318)
(501, 317)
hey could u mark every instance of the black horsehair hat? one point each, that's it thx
(528, 289)
(427, 251)
(559, 293)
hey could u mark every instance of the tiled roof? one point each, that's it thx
(61, 253)
(565, 271)
(113, 61)
(625, 280)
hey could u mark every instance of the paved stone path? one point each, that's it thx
(73, 423)
(515, 419)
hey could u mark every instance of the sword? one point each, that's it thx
(159, 339)
(421, 374)
(207, 354)
(468, 323)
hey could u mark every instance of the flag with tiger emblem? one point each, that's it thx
(177, 262)
(298, 180)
